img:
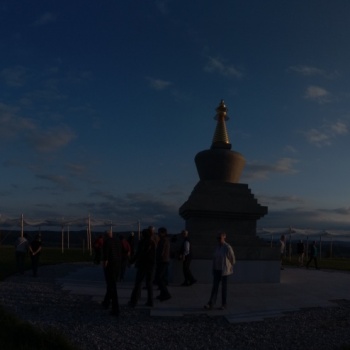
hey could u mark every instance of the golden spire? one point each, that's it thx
(220, 139)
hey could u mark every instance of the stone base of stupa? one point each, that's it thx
(215, 206)
(245, 271)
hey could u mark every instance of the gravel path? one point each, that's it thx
(42, 302)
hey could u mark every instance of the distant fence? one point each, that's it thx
(325, 249)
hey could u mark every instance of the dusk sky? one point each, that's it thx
(104, 105)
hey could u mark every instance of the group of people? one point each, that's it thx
(22, 247)
(151, 260)
(312, 253)
(152, 254)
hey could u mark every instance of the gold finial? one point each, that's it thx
(221, 111)
(220, 139)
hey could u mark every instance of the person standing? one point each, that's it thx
(98, 244)
(223, 261)
(21, 250)
(282, 249)
(131, 241)
(126, 250)
(312, 255)
(144, 260)
(186, 257)
(34, 252)
(111, 267)
(162, 260)
(301, 252)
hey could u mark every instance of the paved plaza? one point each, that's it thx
(299, 288)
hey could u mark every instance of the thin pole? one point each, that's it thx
(62, 239)
(22, 224)
(331, 252)
(290, 247)
(90, 243)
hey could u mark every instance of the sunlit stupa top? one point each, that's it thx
(221, 139)
(220, 163)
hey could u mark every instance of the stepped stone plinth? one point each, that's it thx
(220, 203)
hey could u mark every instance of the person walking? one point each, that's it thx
(34, 252)
(223, 261)
(111, 268)
(162, 260)
(312, 255)
(144, 259)
(186, 257)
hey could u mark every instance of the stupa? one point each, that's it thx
(220, 203)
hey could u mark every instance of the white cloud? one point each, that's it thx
(257, 170)
(312, 71)
(317, 93)
(163, 6)
(280, 200)
(51, 139)
(215, 65)
(324, 135)
(44, 19)
(290, 149)
(76, 169)
(307, 70)
(13, 126)
(339, 128)
(58, 180)
(14, 76)
(159, 84)
(318, 137)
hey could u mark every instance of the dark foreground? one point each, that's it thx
(42, 302)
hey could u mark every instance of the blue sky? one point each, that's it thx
(104, 105)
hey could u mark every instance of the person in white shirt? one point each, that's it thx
(223, 261)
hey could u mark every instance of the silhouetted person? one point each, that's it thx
(282, 249)
(144, 260)
(186, 257)
(300, 252)
(312, 255)
(98, 244)
(34, 252)
(131, 241)
(111, 267)
(162, 260)
(125, 247)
